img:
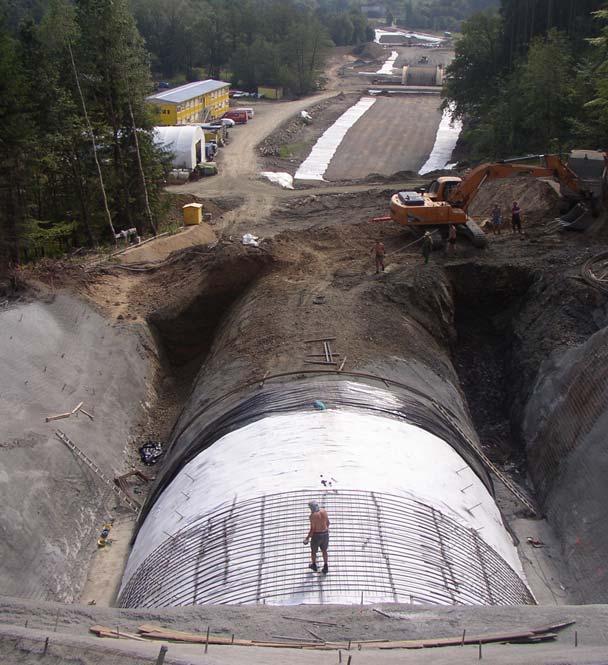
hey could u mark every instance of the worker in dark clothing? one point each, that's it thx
(318, 535)
(516, 217)
(451, 239)
(379, 252)
(427, 246)
(496, 219)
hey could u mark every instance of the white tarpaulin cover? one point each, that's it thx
(408, 518)
(279, 178)
(445, 142)
(410, 35)
(387, 67)
(315, 165)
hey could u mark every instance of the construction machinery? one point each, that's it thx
(448, 198)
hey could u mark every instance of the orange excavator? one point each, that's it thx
(448, 198)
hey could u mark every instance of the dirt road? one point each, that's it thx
(239, 169)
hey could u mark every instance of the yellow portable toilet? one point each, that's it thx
(193, 214)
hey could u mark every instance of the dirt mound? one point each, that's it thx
(537, 199)
(175, 202)
(160, 248)
(368, 52)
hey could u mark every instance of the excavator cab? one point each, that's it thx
(439, 190)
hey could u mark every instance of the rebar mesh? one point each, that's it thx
(382, 548)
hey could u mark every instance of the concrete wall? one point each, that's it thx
(53, 355)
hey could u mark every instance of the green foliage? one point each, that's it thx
(49, 182)
(438, 14)
(472, 74)
(252, 38)
(524, 88)
(594, 75)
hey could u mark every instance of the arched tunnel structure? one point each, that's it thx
(387, 448)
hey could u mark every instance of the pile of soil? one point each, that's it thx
(344, 207)
(537, 199)
(175, 202)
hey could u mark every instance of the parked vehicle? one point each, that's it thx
(227, 122)
(239, 117)
(210, 150)
(248, 110)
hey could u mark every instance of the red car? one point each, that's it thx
(240, 117)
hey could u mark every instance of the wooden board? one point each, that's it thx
(523, 635)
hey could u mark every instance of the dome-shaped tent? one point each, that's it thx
(186, 142)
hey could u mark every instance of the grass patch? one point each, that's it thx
(290, 150)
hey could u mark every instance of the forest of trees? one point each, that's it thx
(250, 42)
(435, 14)
(533, 77)
(77, 159)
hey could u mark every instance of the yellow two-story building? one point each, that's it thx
(200, 101)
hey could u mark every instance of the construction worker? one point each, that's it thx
(451, 239)
(318, 535)
(516, 217)
(496, 219)
(427, 246)
(379, 252)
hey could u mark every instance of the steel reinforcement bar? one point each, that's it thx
(252, 552)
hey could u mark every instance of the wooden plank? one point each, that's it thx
(77, 407)
(487, 638)
(321, 623)
(549, 628)
(86, 413)
(160, 633)
(318, 362)
(59, 416)
(310, 632)
(524, 635)
(319, 355)
(104, 631)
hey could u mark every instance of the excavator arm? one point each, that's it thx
(463, 195)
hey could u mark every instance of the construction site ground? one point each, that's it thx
(319, 241)
(70, 640)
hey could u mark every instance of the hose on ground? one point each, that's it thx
(591, 277)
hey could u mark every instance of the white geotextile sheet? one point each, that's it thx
(417, 35)
(445, 142)
(279, 178)
(315, 165)
(291, 452)
(387, 67)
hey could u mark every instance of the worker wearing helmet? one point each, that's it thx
(318, 535)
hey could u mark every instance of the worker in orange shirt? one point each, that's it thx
(318, 535)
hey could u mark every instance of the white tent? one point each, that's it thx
(186, 142)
